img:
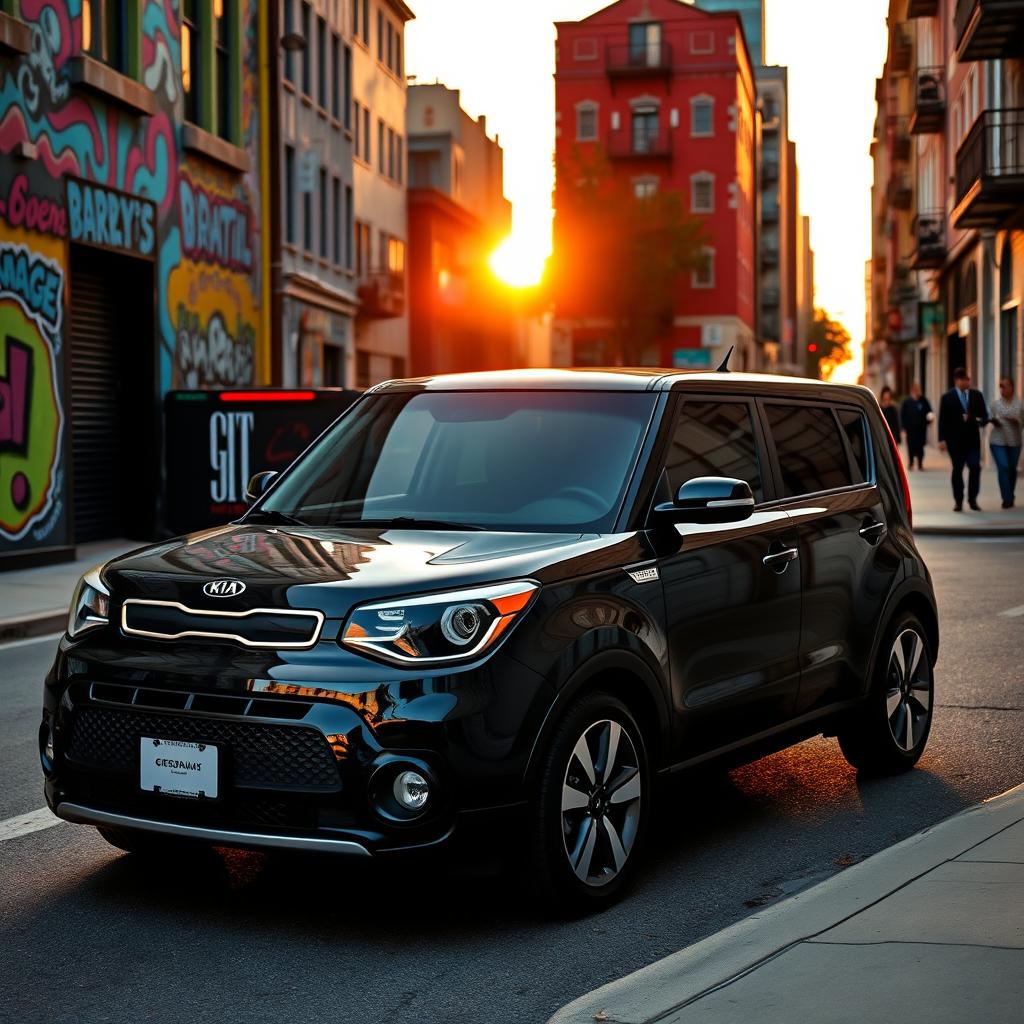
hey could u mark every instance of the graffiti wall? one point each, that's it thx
(79, 170)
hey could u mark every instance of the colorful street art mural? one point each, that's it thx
(78, 170)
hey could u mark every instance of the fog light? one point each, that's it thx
(411, 790)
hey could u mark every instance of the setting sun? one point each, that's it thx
(518, 262)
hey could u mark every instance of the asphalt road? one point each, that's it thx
(89, 935)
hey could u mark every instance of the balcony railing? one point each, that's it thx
(769, 255)
(987, 29)
(769, 171)
(901, 53)
(900, 194)
(929, 101)
(769, 213)
(922, 8)
(642, 59)
(770, 298)
(632, 144)
(990, 170)
(382, 295)
(930, 240)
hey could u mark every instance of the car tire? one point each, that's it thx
(590, 812)
(889, 733)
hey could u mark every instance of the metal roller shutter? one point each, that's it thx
(95, 417)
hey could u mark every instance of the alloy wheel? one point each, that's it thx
(908, 694)
(601, 795)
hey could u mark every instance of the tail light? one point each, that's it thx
(904, 481)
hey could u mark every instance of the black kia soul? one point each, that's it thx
(489, 597)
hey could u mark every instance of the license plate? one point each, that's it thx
(178, 768)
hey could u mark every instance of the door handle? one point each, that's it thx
(872, 531)
(779, 560)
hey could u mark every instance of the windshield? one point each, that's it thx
(513, 460)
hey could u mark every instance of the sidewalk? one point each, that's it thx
(34, 602)
(932, 498)
(929, 931)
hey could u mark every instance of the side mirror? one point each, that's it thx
(710, 499)
(258, 485)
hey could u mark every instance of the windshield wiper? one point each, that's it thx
(271, 515)
(408, 523)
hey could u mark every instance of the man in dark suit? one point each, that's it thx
(962, 414)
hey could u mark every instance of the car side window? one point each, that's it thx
(714, 439)
(810, 449)
(856, 430)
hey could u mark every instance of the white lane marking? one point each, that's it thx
(1013, 613)
(11, 644)
(25, 824)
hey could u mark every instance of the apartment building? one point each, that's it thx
(317, 280)
(665, 91)
(460, 318)
(380, 157)
(947, 269)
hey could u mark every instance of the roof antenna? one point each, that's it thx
(724, 367)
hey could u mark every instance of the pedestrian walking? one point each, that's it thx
(890, 412)
(962, 414)
(915, 415)
(1004, 441)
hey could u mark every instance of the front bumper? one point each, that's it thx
(301, 766)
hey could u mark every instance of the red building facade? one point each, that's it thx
(667, 91)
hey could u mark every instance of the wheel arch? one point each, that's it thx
(914, 596)
(622, 675)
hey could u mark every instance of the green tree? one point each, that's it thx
(827, 345)
(617, 257)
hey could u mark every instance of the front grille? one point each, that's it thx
(258, 756)
(258, 627)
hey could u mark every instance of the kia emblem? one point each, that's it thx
(223, 588)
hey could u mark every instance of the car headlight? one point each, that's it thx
(456, 626)
(90, 606)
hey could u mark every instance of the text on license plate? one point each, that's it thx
(177, 767)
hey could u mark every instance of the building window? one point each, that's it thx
(396, 256)
(362, 369)
(307, 221)
(645, 129)
(322, 71)
(362, 234)
(391, 46)
(702, 42)
(289, 55)
(289, 194)
(702, 193)
(324, 213)
(336, 211)
(586, 121)
(226, 60)
(391, 154)
(645, 188)
(366, 134)
(398, 52)
(306, 86)
(399, 159)
(105, 32)
(381, 154)
(702, 116)
(366, 20)
(348, 89)
(191, 62)
(704, 272)
(348, 227)
(645, 44)
(380, 36)
(338, 77)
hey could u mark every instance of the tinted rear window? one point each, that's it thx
(855, 428)
(810, 449)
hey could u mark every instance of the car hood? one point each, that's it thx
(331, 570)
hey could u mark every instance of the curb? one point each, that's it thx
(667, 986)
(40, 624)
(968, 531)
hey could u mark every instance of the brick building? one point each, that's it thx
(667, 91)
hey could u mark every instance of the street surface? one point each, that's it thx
(90, 935)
